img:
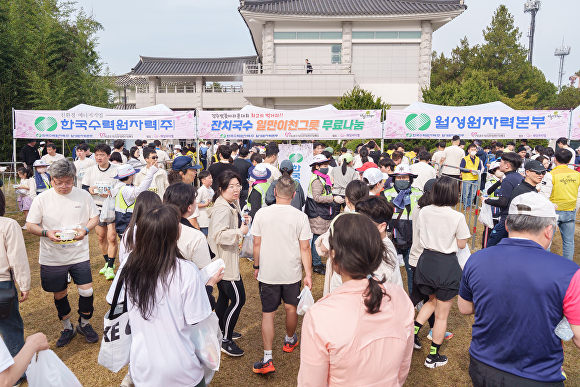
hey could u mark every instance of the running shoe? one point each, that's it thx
(320, 269)
(236, 335)
(417, 344)
(65, 337)
(434, 361)
(290, 345)
(110, 273)
(102, 271)
(127, 381)
(448, 335)
(24, 228)
(261, 367)
(88, 332)
(230, 348)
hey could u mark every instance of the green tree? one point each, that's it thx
(360, 99)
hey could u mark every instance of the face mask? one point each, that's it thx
(324, 171)
(402, 185)
(499, 174)
(473, 153)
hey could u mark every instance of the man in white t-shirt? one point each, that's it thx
(51, 155)
(439, 154)
(119, 145)
(452, 157)
(103, 174)
(281, 249)
(66, 208)
(160, 181)
(163, 157)
(270, 161)
(82, 163)
(423, 170)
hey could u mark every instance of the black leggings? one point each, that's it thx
(231, 298)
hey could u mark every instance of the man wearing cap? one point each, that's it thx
(405, 199)
(562, 186)
(257, 197)
(514, 341)
(298, 201)
(535, 172)
(184, 169)
(160, 182)
(177, 151)
(29, 154)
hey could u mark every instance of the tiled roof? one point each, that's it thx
(192, 66)
(350, 7)
(126, 80)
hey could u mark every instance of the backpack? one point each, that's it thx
(203, 153)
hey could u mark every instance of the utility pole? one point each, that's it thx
(532, 7)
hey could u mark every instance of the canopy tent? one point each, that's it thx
(252, 108)
(497, 105)
(575, 124)
(88, 108)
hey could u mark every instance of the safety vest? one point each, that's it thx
(392, 193)
(473, 165)
(262, 188)
(495, 211)
(314, 209)
(123, 213)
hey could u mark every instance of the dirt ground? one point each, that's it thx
(39, 314)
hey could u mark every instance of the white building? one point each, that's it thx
(383, 46)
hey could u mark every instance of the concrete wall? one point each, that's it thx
(381, 63)
(297, 53)
(223, 101)
(297, 85)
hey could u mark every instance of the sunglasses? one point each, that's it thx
(538, 172)
(153, 157)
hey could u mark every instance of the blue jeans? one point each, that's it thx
(497, 234)
(405, 254)
(468, 192)
(12, 329)
(567, 225)
(316, 261)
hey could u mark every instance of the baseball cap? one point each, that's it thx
(347, 158)
(428, 185)
(40, 163)
(329, 149)
(536, 166)
(403, 169)
(494, 165)
(125, 170)
(367, 165)
(41, 143)
(286, 164)
(319, 159)
(183, 163)
(374, 176)
(259, 172)
(177, 146)
(532, 204)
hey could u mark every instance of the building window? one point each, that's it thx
(386, 35)
(332, 35)
(409, 34)
(284, 35)
(336, 50)
(308, 35)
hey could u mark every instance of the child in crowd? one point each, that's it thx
(41, 180)
(23, 191)
(204, 195)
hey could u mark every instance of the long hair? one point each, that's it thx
(154, 258)
(148, 200)
(344, 167)
(355, 191)
(364, 154)
(223, 181)
(358, 251)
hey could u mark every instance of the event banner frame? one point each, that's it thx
(575, 131)
(291, 125)
(475, 124)
(121, 124)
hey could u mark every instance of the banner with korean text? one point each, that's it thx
(472, 124)
(291, 125)
(121, 124)
(575, 132)
(301, 157)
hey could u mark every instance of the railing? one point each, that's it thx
(176, 89)
(190, 89)
(223, 89)
(336, 68)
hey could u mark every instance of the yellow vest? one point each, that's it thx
(473, 165)
(565, 187)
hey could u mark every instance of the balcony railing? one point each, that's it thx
(335, 68)
(223, 89)
(190, 89)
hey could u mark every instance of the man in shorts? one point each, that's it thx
(103, 172)
(65, 207)
(280, 251)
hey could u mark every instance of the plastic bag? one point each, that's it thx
(207, 338)
(306, 301)
(486, 215)
(247, 250)
(463, 255)
(108, 210)
(47, 370)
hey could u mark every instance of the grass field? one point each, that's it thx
(39, 314)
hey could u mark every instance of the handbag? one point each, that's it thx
(401, 232)
(7, 300)
(116, 343)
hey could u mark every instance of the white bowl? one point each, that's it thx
(66, 235)
(15, 186)
(2, 169)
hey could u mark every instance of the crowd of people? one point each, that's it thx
(364, 214)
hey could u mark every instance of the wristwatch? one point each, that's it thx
(256, 267)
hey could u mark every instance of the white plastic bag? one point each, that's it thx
(306, 300)
(247, 250)
(108, 210)
(463, 255)
(486, 216)
(47, 370)
(207, 338)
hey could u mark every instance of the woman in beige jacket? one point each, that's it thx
(226, 228)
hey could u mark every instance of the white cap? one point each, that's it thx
(319, 159)
(40, 163)
(177, 146)
(42, 143)
(532, 204)
(125, 170)
(374, 176)
(403, 169)
(494, 165)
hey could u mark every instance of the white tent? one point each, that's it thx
(88, 108)
(574, 129)
(486, 106)
(252, 108)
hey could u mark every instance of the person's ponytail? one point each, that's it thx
(344, 166)
(374, 295)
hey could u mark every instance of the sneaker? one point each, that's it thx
(320, 269)
(236, 335)
(127, 381)
(68, 278)
(448, 335)
(290, 345)
(261, 367)
(230, 348)
(24, 228)
(417, 344)
(88, 332)
(109, 273)
(102, 271)
(251, 259)
(65, 337)
(434, 361)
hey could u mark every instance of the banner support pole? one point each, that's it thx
(14, 143)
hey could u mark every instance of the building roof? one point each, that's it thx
(350, 7)
(127, 80)
(191, 66)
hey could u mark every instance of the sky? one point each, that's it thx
(202, 29)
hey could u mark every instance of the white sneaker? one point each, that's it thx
(24, 227)
(127, 381)
(401, 260)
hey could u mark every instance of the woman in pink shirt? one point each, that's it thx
(362, 333)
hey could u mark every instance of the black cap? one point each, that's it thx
(535, 165)
(183, 163)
